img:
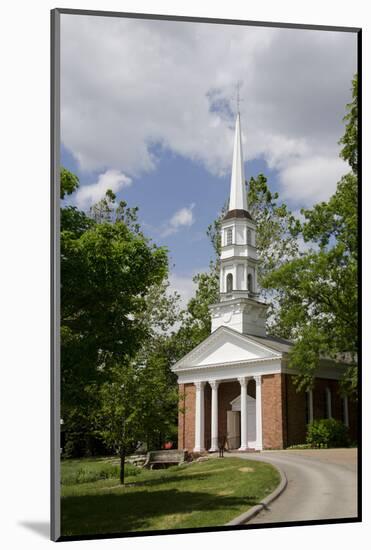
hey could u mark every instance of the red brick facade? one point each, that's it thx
(296, 411)
(284, 410)
(186, 428)
(273, 411)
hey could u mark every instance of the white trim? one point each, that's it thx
(199, 418)
(214, 415)
(227, 372)
(244, 439)
(230, 364)
(258, 413)
(215, 335)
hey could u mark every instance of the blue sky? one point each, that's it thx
(183, 183)
(147, 109)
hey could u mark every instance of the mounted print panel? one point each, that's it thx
(205, 271)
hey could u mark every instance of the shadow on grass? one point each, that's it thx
(139, 511)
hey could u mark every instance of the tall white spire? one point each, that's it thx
(237, 199)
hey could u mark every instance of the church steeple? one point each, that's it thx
(237, 198)
(238, 306)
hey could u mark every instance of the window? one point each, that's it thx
(249, 282)
(229, 236)
(229, 282)
(248, 236)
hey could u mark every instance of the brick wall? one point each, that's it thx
(186, 421)
(272, 411)
(296, 408)
(180, 416)
(295, 412)
(283, 410)
(227, 391)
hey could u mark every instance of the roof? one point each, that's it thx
(274, 342)
(283, 346)
(261, 342)
(237, 198)
(237, 213)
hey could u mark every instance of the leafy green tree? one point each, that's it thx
(135, 403)
(69, 182)
(105, 274)
(109, 269)
(195, 320)
(118, 418)
(276, 228)
(349, 140)
(318, 294)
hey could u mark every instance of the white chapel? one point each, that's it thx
(236, 386)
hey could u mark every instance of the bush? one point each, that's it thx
(299, 446)
(327, 432)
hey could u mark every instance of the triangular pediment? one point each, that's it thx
(225, 346)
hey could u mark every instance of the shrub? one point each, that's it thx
(327, 432)
(299, 446)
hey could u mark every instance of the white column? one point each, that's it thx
(222, 282)
(214, 415)
(199, 418)
(346, 410)
(328, 403)
(258, 413)
(310, 405)
(243, 382)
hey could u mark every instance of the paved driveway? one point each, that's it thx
(322, 484)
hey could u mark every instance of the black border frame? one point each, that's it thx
(55, 522)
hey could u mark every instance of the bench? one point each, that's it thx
(162, 458)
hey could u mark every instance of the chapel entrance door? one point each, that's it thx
(233, 429)
(251, 422)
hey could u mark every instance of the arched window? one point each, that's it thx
(229, 282)
(229, 236)
(248, 236)
(249, 282)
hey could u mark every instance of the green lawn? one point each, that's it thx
(201, 494)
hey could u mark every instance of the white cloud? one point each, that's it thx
(311, 179)
(184, 286)
(307, 246)
(90, 194)
(182, 218)
(128, 85)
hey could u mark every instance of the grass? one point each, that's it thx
(203, 494)
(78, 471)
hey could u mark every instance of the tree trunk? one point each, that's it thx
(122, 467)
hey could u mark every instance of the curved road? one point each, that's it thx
(322, 484)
